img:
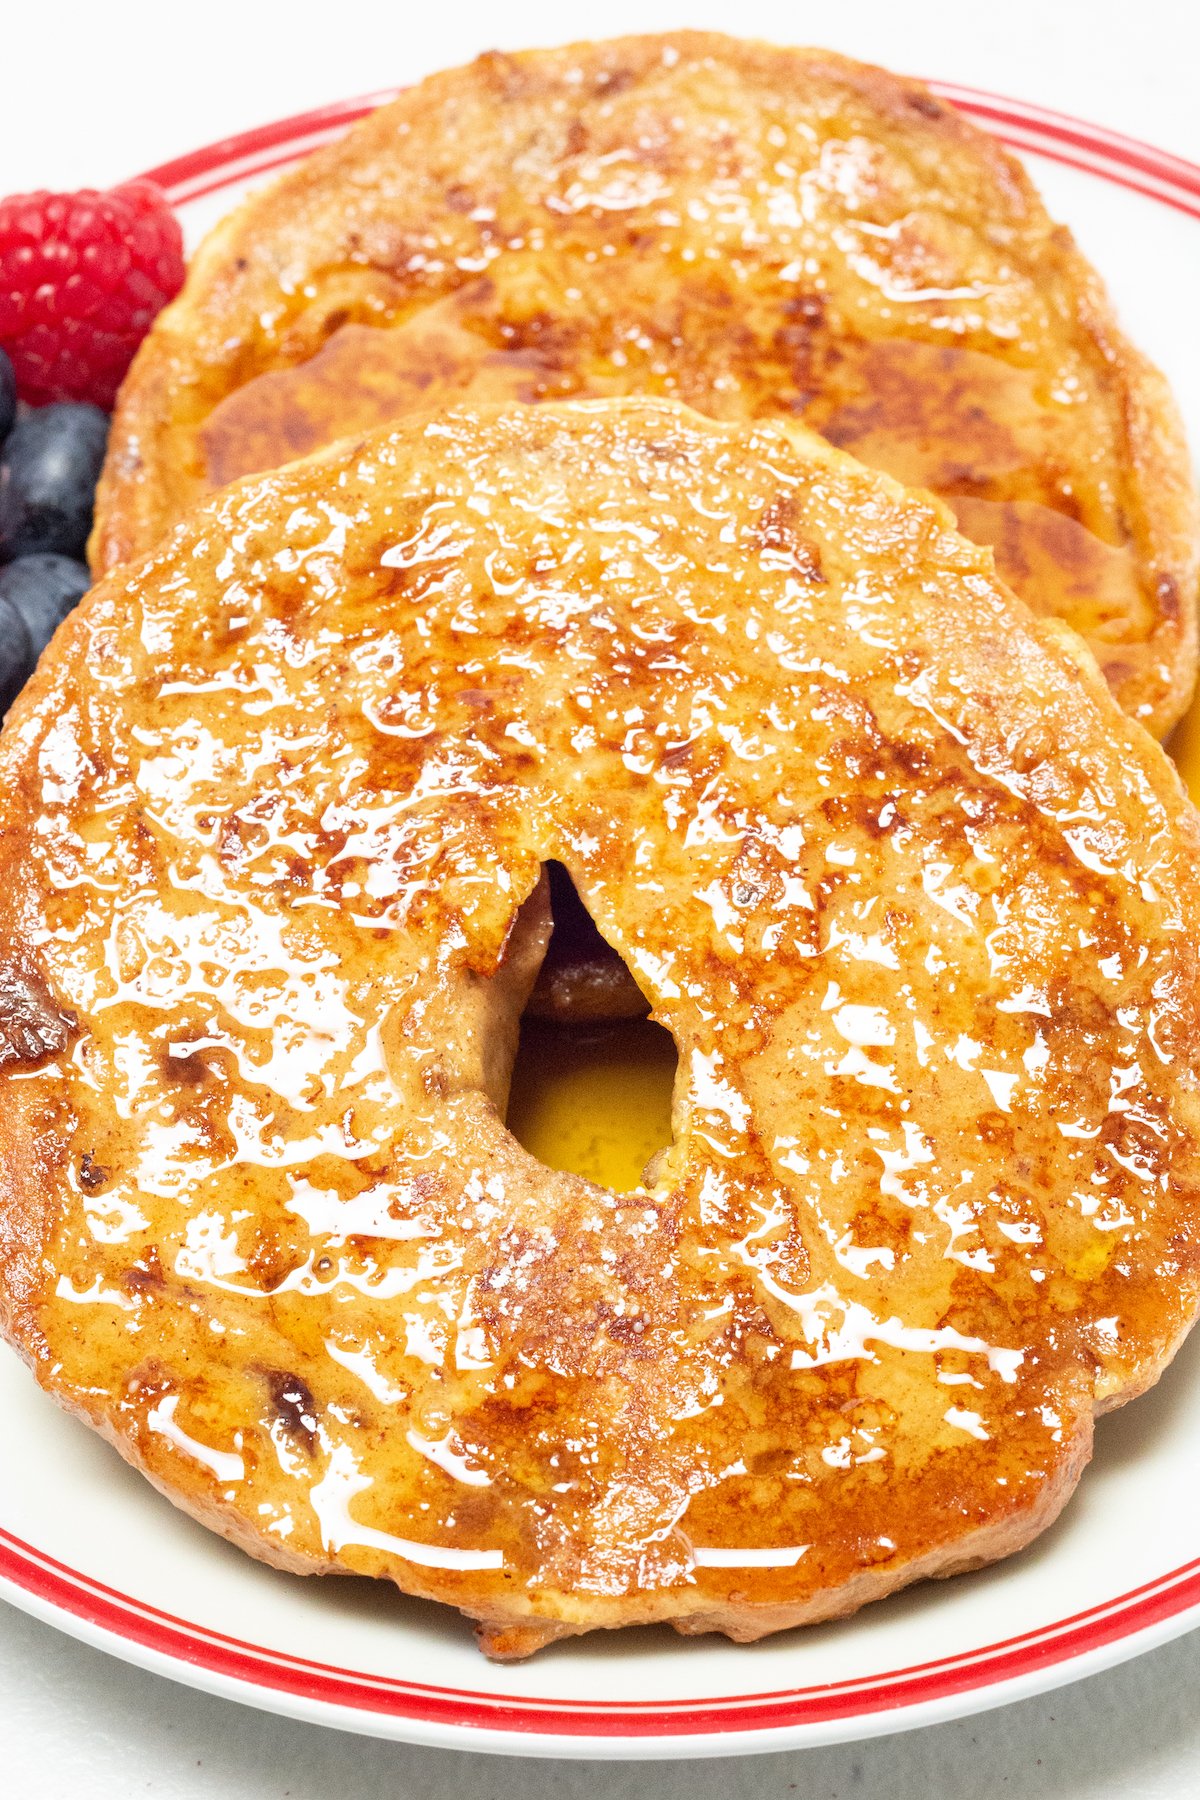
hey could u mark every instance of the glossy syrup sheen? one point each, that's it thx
(917, 906)
(597, 1102)
(984, 434)
(757, 232)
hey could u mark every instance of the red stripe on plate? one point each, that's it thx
(1109, 155)
(139, 1622)
(337, 116)
(1158, 176)
(1128, 151)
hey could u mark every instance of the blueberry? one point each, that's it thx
(16, 655)
(8, 396)
(48, 473)
(43, 589)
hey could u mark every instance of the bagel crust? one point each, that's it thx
(755, 231)
(916, 901)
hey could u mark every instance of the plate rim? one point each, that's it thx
(387, 1706)
(1098, 150)
(893, 1700)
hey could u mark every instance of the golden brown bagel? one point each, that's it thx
(756, 231)
(917, 903)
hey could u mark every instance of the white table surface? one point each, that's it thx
(95, 91)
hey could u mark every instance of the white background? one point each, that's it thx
(94, 91)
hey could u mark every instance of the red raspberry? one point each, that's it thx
(81, 277)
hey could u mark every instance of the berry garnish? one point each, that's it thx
(43, 589)
(8, 396)
(16, 655)
(81, 278)
(49, 467)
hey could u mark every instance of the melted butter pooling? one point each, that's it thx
(916, 907)
(595, 1100)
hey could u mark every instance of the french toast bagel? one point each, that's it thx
(917, 902)
(756, 231)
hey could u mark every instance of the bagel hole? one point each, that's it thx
(593, 1077)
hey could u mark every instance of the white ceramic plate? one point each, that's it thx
(88, 1545)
